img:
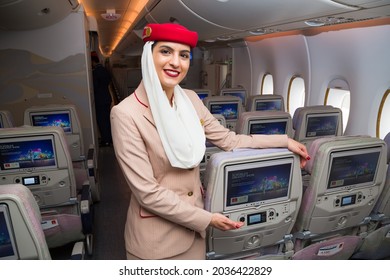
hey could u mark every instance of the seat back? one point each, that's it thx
(228, 106)
(202, 93)
(268, 102)
(260, 187)
(383, 205)
(347, 177)
(38, 157)
(239, 92)
(315, 122)
(64, 116)
(20, 225)
(210, 149)
(377, 243)
(265, 122)
(6, 119)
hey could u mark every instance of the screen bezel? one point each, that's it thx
(279, 100)
(223, 103)
(268, 121)
(14, 140)
(5, 211)
(251, 165)
(316, 115)
(52, 112)
(338, 154)
(240, 93)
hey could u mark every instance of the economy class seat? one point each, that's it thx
(38, 157)
(312, 122)
(6, 119)
(377, 243)
(265, 122)
(261, 188)
(66, 116)
(347, 178)
(20, 225)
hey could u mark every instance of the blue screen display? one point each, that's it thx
(27, 154)
(202, 95)
(268, 128)
(274, 105)
(258, 184)
(321, 126)
(240, 94)
(228, 110)
(353, 170)
(7, 249)
(58, 119)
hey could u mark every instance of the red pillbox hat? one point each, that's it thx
(171, 32)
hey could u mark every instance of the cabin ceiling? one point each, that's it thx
(214, 20)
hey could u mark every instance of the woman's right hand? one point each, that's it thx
(221, 222)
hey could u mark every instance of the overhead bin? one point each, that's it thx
(33, 14)
(215, 18)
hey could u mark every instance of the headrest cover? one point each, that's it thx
(171, 32)
(387, 140)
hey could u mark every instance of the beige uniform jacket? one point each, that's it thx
(166, 207)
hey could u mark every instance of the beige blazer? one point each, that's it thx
(166, 207)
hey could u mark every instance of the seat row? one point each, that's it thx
(341, 212)
(47, 156)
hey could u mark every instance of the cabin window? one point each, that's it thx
(383, 124)
(267, 84)
(295, 94)
(339, 98)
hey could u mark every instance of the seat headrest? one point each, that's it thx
(387, 140)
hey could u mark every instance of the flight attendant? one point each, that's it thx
(159, 134)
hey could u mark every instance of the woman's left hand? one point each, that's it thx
(299, 149)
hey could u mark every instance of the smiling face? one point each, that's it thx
(171, 61)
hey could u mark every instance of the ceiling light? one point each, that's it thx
(209, 40)
(111, 15)
(314, 22)
(259, 31)
(224, 38)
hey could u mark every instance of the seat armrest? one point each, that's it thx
(78, 251)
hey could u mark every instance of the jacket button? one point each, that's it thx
(190, 193)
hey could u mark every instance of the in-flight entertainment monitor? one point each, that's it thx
(353, 169)
(268, 127)
(27, 153)
(268, 105)
(240, 92)
(227, 109)
(8, 250)
(53, 118)
(202, 93)
(253, 184)
(325, 124)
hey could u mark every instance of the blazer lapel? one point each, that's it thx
(143, 101)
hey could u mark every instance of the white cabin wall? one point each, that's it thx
(241, 69)
(45, 66)
(283, 57)
(360, 56)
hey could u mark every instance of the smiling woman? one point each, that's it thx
(159, 144)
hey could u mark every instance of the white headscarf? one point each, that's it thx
(179, 126)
